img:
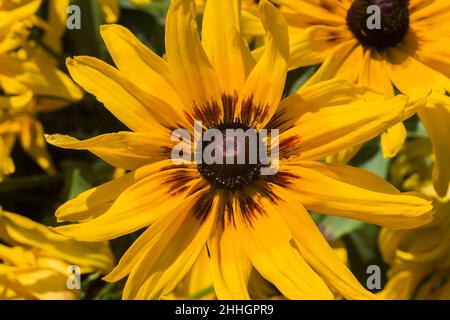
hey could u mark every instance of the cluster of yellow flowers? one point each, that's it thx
(226, 226)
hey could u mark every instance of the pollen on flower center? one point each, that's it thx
(393, 26)
(239, 166)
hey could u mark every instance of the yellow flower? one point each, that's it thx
(420, 258)
(15, 19)
(27, 87)
(247, 220)
(407, 53)
(35, 262)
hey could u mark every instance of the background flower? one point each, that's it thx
(404, 55)
(28, 85)
(34, 261)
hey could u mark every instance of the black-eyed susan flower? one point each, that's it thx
(402, 45)
(27, 86)
(244, 219)
(15, 19)
(419, 258)
(35, 263)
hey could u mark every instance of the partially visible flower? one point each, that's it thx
(411, 168)
(111, 10)
(35, 262)
(408, 53)
(419, 259)
(16, 18)
(27, 86)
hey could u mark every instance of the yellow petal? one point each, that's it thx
(139, 205)
(428, 46)
(198, 281)
(267, 241)
(33, 142)
(15, 104)
(44, 80)
(354, 193)
(251, 24)
(127, 150)
(44, 284)
(436, 118)
(315, 96)
(16, 12)
(194, 78)
(345, 61)
(389, 241)
(430, 14)
(264, 87)
(341, 126)
(228, 53)
(373, 73)
(96, 201)
(230, 265)
(344, 156)
(412, 77)
(392, 140)
(314, 44)
(402, 284)
(137, 251)
(7, 142)
(111, 10)
(318, 11)
(173, 248)
(318, 253)
(135, 108)
(32, 234)
(141, 66)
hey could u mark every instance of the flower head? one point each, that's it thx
(35, 262)
(28, 85)
(246, 220)
(387, 45)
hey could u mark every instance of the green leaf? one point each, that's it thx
(371, 159)
(365, 242)
(109, 292)
(202, 293)
(378, 165)
(77, 184)
(335, 227)
(301, 76)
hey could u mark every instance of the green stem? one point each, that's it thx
(201, 294)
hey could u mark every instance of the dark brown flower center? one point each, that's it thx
(381, 26)
(230, 160)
